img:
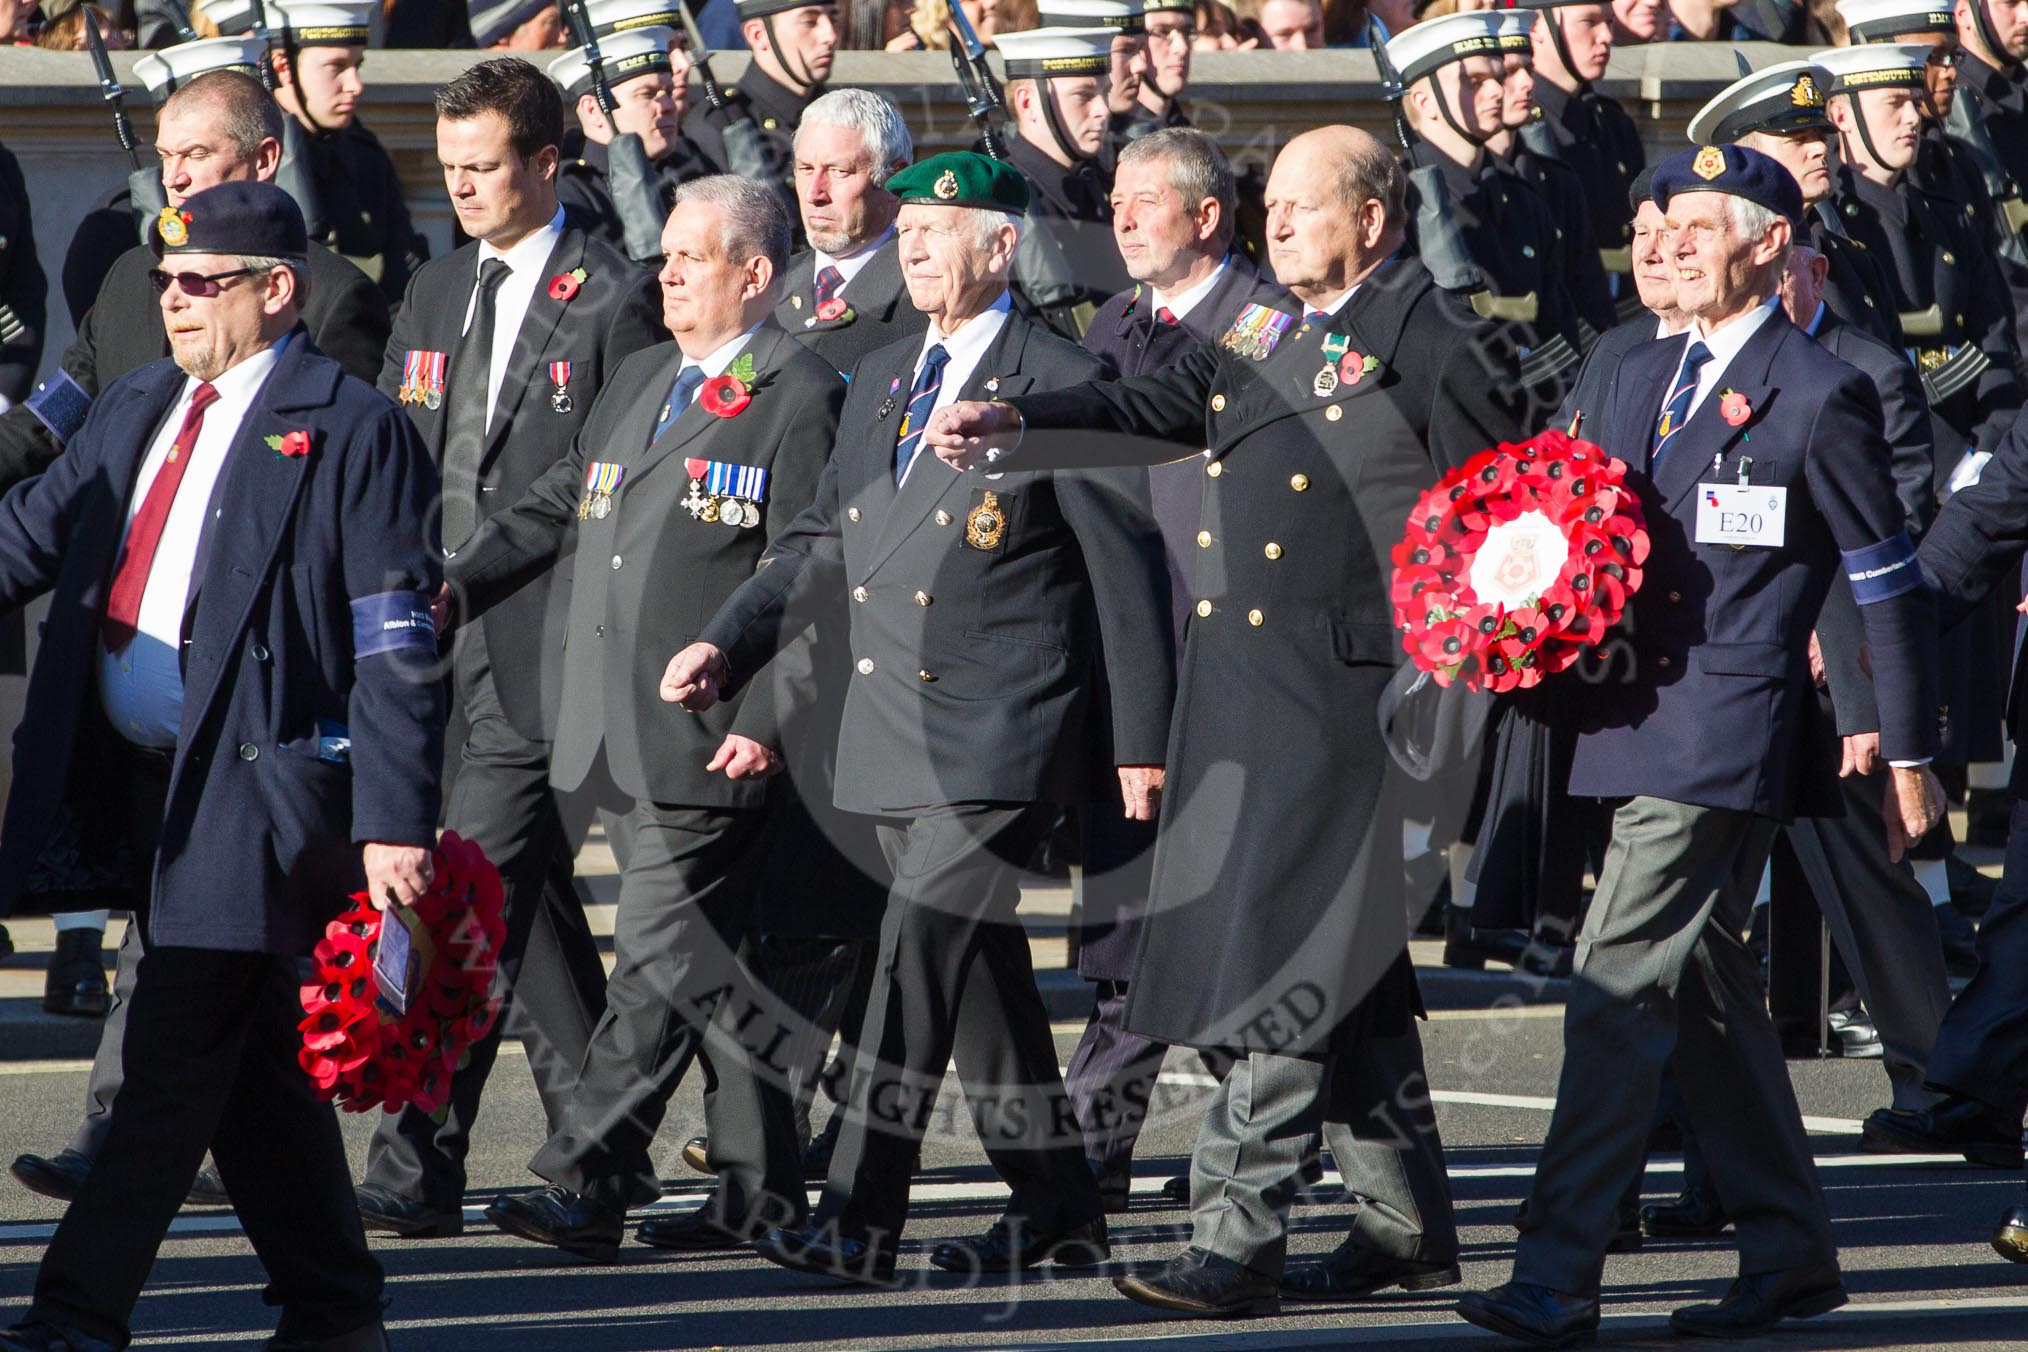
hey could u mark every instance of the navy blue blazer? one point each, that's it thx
(1704, 695)
(308, 615)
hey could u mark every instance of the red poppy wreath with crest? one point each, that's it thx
(361, 1052)
(1518, 561)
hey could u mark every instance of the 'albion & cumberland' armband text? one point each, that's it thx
(387, 621)
(1884, 571)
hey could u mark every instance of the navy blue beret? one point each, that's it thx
(1734, 170)
(257, 220)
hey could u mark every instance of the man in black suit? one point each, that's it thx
(793, 43)
(498, 354)
(979, 709)
(182, 709)
(843, 296)
(1173, 216)
(1319, 1004)
(219, 127)
(700, 443)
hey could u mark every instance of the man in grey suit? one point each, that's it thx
(701, 451)
(975, 715)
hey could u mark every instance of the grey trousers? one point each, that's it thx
(1374, 1110)
(1661, 968)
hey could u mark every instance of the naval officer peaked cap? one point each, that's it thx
(1785, 100)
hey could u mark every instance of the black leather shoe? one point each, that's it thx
(1695, 1214)
(1205, 1285)
(1352, 1271)
(697, 1231)
(2010, 1236)
(1758, 1302)
(1008, 1248)
(1532, 1314)
(367, 1338)
(207, 1189)
(75, 983)
(51, 1338)
(1115, 1188)
(1961, 1125)
(824, 1252)
(389, 1213)
(1176, 1191)
(570, 1221)
(59, 1175)
(1852, 1037)
(694, 1155)
(1960, 942)
(1470, 949)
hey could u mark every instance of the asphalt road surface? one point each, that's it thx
(1913, 1235)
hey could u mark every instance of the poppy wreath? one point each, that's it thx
(358, 1052)
(1517, 562)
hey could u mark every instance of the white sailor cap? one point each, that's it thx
(1435, 43)
(321, 23)
(1517, 28)
(1038, 53)
(1877, 20)
(230, 17)
(618, 16)
(1877, 65)
(167, 70)
(638, 51)
(490, 23)
(1784, 99)
(1123, 16)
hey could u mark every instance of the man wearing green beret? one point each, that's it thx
(973, 720)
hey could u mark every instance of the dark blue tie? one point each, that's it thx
(921, 399)
(1677, 411)
(680, 395)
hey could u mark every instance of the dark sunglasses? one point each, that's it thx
(196, 285)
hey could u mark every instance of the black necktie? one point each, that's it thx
(466, 404)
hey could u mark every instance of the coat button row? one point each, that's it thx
(1204, 607)
(249, 752)
(1273, 550)
(865, 666)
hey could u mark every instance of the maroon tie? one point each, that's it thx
(1165, 315)
(130, 578)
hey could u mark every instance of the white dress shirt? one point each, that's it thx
(1183, 302)
(714, 362)
(526, 270)
(141, 686)
(1724, 344)
(852, 264)
(964, 350)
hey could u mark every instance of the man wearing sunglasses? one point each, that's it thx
(233, 703)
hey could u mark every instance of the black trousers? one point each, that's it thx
(1981, 1050)
(686, 899)
(954, 979)
(211, 1061)
(551, 981)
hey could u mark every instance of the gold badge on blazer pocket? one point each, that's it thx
(986, 523)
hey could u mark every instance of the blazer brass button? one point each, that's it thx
(1218, 403)
(923, 598)
(1299, 482)
(926, 676)
(249, 752)
(616, 563)
(865, 666)
(1204, 608)
(859, 593)
(943, 518)
(1333, 413)
(851, 513)
(1215, 468)
(1255, 618)
(1273, 550)
(1204, 539)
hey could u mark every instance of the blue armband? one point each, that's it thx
(391, 620)
(1884, 571)
(60, 403)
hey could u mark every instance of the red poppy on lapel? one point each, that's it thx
(293, 444)
(724, 396)
(1732, 407)
(565, 284)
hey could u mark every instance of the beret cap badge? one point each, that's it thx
(1709, 164)
(171, 225)
(946, 186)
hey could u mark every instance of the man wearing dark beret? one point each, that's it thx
(982, 705)
(1762, 469)
(235, 701)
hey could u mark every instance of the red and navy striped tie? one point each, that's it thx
(1677, 411)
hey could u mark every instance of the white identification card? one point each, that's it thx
(1742, 514)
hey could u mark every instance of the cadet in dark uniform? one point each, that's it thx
(1173, 215)
(649, 94)
(1780, 111)
(1297, 520)
(1169, 26)
(317, 49)
(1585, 129)
(346, 318)
(1989, 116)
(1451, 77)
(793, 44)
(843, 296)
(976, 610)
(24, 290)
(1056, 85)
(1125, 71)
(1707, 746)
